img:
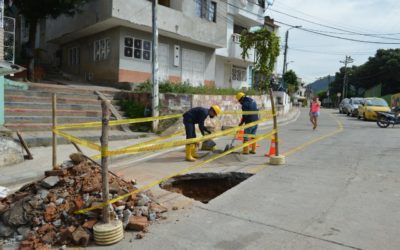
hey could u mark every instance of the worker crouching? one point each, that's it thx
(197, 116)
(248, 104)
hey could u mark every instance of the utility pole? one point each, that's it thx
(284, 68)
(344, 87)
(154, 68)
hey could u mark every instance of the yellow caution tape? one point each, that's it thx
(184, 171)
(78, 140)
(116, 122)
(144, 119)
(238, 112)
(184, 142)
(98, 156)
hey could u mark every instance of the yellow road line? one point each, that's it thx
(304, 145)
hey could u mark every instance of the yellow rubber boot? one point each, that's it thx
(253, 148)
(245, 150)
(189, 156)
(194, 151)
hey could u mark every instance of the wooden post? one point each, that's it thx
(54, 118)
(274, 120)
(104, 157)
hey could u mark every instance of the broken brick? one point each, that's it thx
(79, 202)
(157, 208)
(80, 237)
(49, 237)
(137, 223)
(89, 224)
(45, 228)
(50, 213)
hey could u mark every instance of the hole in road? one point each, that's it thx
(204, 186)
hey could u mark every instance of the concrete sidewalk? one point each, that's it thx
(16, 175)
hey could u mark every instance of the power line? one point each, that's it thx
(331, 27)
(338, 25)
(329, 52)
(338, 37)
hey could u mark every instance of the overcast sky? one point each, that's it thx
(319, 55)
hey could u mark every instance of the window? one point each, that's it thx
(239, 74)
(137, 48)
(206, 9)
(102, 49)
(73, 56)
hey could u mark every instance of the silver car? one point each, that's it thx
(351, 107)
(342, 104)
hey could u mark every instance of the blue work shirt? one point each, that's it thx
(197, 116)
(248, 104)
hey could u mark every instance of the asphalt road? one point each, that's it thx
(340, 189)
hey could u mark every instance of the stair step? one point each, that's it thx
(36, 126)
(48, 112)
(48, 99)
(48, 119)
(77, 95)
(53, 88)
(48, 106)
(36, 139)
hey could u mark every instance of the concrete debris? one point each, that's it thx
(139, 235)
(41, 214)
(50, 181)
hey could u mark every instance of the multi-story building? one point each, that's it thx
(232, 71)
(111, 40)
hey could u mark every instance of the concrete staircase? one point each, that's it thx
(30, 111)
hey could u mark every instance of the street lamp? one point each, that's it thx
(286, 49)
(286, 65)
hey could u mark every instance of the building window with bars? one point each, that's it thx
(102, 49)
(206, 9)
(137, 48)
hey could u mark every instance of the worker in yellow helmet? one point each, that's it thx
(197, 116)
(248, 104)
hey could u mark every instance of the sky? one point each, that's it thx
(313, 56)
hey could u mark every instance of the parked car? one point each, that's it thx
(370, 106)
(351, 108)
(341, 105)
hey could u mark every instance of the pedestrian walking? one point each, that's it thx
(315, 108)
(248, 104)
(197, 116)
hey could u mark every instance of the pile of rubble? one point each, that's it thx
(41, 214)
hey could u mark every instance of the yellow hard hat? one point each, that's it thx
(239, 96)
(216, 109)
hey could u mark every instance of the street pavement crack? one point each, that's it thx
(279, 228)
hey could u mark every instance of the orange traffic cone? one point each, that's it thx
(239, 135)
(272, 148)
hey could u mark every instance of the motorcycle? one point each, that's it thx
(384, 119)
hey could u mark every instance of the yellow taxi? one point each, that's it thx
(367, 110)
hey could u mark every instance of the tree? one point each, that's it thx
(266, 46)
(37, 10)
(291, 79)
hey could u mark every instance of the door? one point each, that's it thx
(193, 65)
(163, 62)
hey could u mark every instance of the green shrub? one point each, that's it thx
(135, 110)
(185, 88)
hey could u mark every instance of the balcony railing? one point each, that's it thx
(235, 51)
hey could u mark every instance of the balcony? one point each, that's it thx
(248, 12)
(235, 51)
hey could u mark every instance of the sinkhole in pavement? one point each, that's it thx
(204, 186)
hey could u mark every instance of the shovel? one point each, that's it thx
(230, 146)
